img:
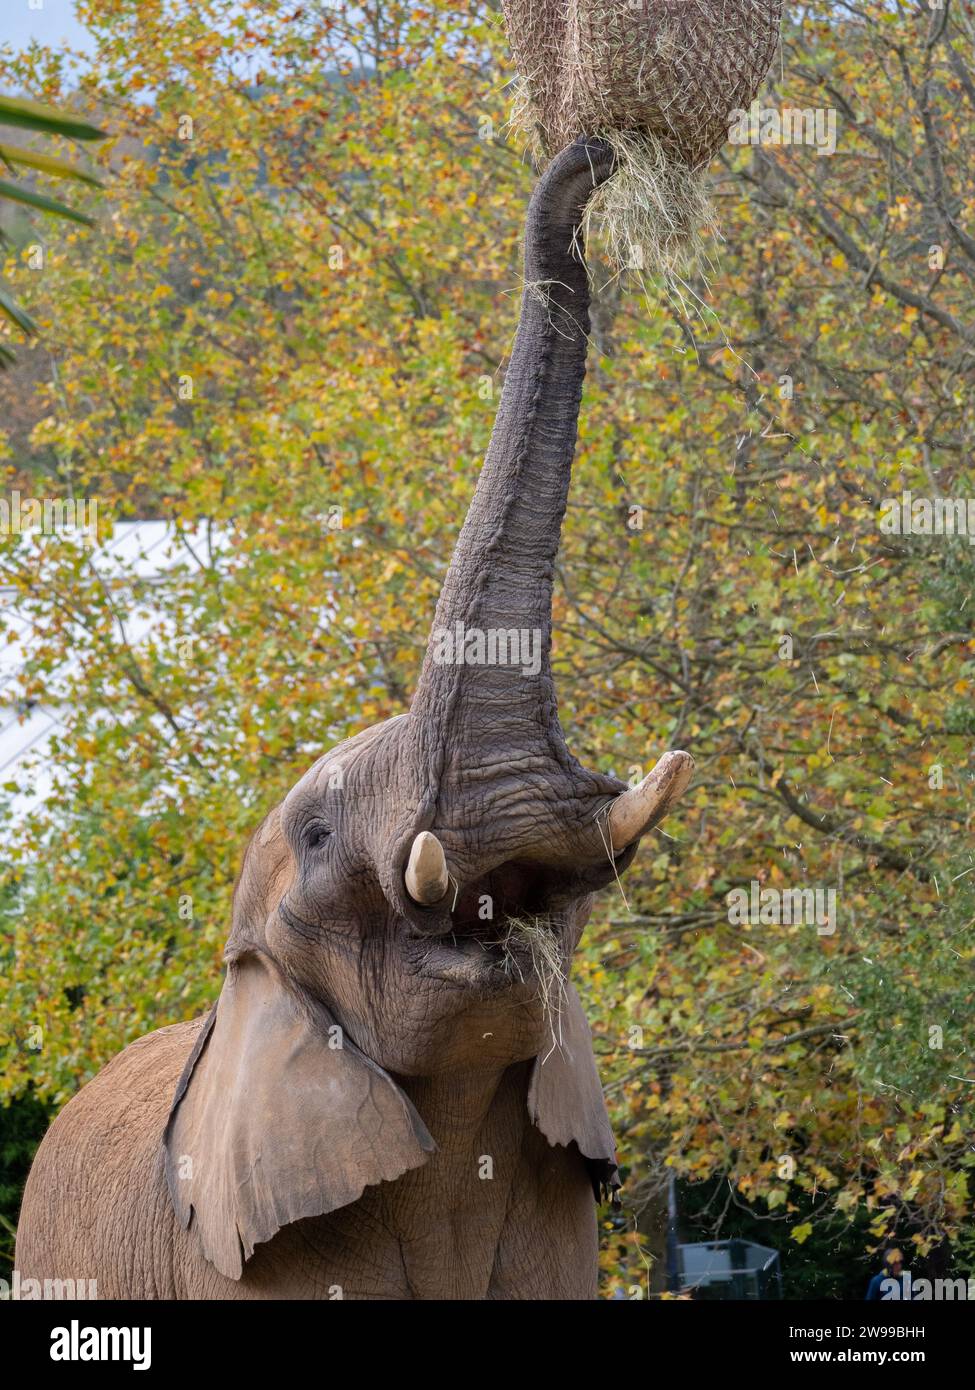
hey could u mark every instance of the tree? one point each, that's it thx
(29, 115)
(286, 338)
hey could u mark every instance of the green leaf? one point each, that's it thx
(17, 194)
(48, 163)
(31, 115)
(16, 315)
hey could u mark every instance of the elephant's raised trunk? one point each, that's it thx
(488, 661)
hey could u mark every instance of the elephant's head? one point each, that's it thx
(412, 906)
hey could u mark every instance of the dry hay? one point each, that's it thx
(534, 942)
(658, 79)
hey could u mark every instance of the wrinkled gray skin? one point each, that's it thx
(380, 1106)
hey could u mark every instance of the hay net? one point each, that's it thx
(658, 78)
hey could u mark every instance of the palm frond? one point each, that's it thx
(31, 115)
(16, 314)
(23, 114)
(47, 164)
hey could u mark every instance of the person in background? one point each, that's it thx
(893, 1266)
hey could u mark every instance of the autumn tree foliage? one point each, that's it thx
(287, 336)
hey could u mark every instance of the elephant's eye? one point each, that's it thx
(315, 833)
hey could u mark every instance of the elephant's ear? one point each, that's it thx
(565, 1097)
(276, 1117)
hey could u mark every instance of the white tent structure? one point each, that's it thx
(136, 551)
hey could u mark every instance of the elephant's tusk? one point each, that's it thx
(633, 813)
(426, 872)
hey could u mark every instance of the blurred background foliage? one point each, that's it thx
(296, 305)
(20, 115)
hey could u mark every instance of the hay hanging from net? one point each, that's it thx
(651, 211)
(658, 79)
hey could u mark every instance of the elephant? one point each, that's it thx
(395, 1095)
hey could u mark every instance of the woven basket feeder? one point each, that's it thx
(658, 78)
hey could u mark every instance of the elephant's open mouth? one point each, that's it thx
(500, 928)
